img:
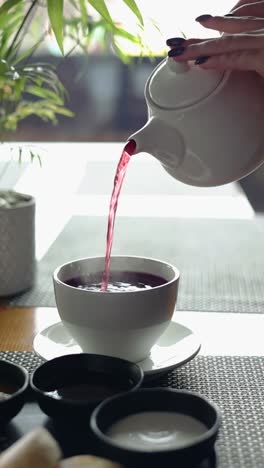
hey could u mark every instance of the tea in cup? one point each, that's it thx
(126, 320)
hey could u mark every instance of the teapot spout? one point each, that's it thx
(143, 139)
(162, 141)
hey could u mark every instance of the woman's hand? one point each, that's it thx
(244, 2)
(241, 48)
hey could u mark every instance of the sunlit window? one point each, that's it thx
(168, 19)
(162, 19)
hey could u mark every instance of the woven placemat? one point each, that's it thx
(221, 261)
(234, 383)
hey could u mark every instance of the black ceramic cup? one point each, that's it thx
(13, 388)
(184, 403)
(72, 386)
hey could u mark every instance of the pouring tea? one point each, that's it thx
(204, 127)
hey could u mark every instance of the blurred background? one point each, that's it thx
(105, 93)
(105, 81)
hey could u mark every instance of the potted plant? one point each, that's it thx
(30, 88)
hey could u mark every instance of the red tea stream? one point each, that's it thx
(128, 151)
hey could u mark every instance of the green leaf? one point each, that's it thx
(40, 73)
(20, 151)
(123, 33)
(8, 5)
(27, 52)
(55, 12)
(84, 14)
(64, 111)
(7, 19)
(183, 34)
(44, 93)
(4, 45)
(134, 8)
(39, 159)
(101, 8)
(124, 57)
(4, 67)
(19, 87)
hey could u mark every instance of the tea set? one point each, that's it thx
(206, 129)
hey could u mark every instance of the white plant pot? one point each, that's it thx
(17, 246)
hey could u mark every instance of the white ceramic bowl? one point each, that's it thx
(121, 324)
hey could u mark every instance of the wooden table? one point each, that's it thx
(18, 326)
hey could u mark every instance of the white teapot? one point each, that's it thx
(205, 127)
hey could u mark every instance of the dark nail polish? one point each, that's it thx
(175, 41)
(203, 18)
(175, 52)
(201, 60)
(229, 14)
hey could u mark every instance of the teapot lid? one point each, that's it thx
(174, 84)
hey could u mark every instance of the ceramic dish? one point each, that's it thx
(156, 427)
(13, 388)
(71, 386)
(177, 345)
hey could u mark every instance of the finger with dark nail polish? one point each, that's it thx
(203, 18)
(175, 52)
(201, 60)
(175, 41)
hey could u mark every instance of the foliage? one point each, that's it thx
(30, 88)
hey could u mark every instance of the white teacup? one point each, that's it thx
(120, 324)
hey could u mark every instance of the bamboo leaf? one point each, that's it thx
(4, 67)
(20, 151)
(183, 34)
(101, 8)
(84, 13)
(64, 111)
(134, 8)
(38, 158)
(44, 93)
(19, 87)
(9, 19)
(4, 45)
(27, 53)
(8, 5)
(123, 33)
(55, 12)
(124, 57)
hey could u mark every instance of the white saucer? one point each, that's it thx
(177, 345)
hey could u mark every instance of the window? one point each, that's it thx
(173, 17)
